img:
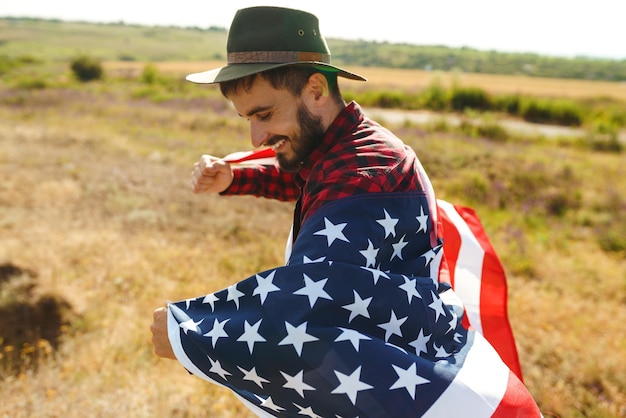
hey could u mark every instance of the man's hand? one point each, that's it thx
(160, 340)
(211, 175)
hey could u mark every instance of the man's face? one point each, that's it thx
(281, 121)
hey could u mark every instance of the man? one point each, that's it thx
(356, 323)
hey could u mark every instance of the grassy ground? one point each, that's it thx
(99, 227)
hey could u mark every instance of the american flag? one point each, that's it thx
(355, 325)
(474, 270)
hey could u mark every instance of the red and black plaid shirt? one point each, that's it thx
(357, 155)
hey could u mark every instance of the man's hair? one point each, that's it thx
(292, 78)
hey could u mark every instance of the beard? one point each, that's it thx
(310, 137)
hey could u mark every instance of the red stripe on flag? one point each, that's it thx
(250, 156)
(516, 402)
(495, 325)
(452, 244)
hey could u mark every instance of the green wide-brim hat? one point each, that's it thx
(263, 38)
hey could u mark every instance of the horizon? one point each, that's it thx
(560, 30)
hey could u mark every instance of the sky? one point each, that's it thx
(548, 27)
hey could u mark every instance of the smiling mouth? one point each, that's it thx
(278, 144)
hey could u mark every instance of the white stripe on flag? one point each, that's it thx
(479, 386)
(468, 270)
(173, 331)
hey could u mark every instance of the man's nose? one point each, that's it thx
(258, 135)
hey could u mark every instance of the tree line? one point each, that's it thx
(443, 58)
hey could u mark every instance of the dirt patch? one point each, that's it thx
(30, 326)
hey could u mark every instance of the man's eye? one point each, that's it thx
(264, 116)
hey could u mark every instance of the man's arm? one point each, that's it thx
(211, 175)
(215, 175)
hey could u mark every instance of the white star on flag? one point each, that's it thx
(296, 383)
(397, 248)
(410, 287)
(370, 254)
(210, 299)
(389, 224)
(351, 335)
(216, 367)
(265, 286)
(252, 376)
(251, 334)
(420, 343)
(376, 273)
(269, 404)
(422, 219)
(234, 295)
(307, 260)
(217, 331)
(313, 290)
(408, 379)
(297, 336)
(332, 232)
(308, 411)
(452, 322)
(358, 307)
(351, 384)
(429, 256)
(393, 326)
(437, 306)
(440, 352)
(190, 325)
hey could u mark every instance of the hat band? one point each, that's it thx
(261, 57)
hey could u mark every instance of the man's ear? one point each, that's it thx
(317, 89)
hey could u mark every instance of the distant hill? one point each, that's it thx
(55, 40)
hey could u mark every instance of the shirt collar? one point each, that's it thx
(350, 117)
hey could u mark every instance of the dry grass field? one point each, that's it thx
(98, 227)
(381, 78)
(497, 84)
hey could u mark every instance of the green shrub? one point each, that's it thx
(604, 136)
(534, 110)
(391, 99)
(150, 74)
(558, 202)
(31, 83)
(611, 114)
(484, 125)
(618, 116)
(434, 97)
(127, 57)
(462, 98)
(9, 63)
(492, 130)
(86, 68)
(6, 64)
(613, 240)
(509, 103)
(567, 112)
(561, 112)
(152, 92)
(439, 124)
(388, 99)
